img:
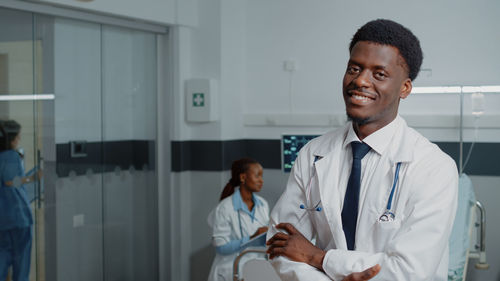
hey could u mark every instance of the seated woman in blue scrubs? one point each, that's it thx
(240, 216)
(15, 212)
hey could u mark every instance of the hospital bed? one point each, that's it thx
(467, 242)
(257, 269)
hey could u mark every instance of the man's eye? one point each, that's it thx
(380, 75)
(352, 69)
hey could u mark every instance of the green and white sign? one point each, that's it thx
(198, 99)
(201, 100)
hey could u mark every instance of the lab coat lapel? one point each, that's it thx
(326, 169)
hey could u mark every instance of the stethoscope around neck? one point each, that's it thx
(254, 218)
(387, 216)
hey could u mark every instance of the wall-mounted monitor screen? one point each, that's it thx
(290, 145)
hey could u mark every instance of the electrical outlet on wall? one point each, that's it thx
(78, 220)
(290, 65)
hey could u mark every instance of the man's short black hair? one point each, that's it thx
(387, 32)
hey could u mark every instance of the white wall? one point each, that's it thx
(457, 38)
(204, 47)
(214, 49)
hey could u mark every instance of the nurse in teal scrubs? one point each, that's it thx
(15, 213)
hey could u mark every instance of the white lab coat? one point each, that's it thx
(413, 247)
(226, 227)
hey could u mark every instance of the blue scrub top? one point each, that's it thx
(15, 211)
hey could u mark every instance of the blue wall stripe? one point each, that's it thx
(483, 160)
(106, 156)
(218, 155)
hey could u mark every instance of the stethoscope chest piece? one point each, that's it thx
(387, 216)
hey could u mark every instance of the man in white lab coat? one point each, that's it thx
(377, 199)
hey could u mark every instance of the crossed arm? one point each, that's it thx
(297, 248)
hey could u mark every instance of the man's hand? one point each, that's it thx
(295, 247)
(364, 275)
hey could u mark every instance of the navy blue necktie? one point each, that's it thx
(351, 199)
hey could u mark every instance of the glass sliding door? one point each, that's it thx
(26, 98)
(85, 97)
(77, 217)
(105, 81)
(129, 151)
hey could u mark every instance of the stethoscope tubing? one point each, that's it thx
(389, 215)
(396, 178)
(318, 208)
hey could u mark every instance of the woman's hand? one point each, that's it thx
(39, 174)
(259, 231)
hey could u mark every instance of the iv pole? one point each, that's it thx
(461, 131)
(480, 252)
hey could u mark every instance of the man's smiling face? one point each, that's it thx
(375, 79)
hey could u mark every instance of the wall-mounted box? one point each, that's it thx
(202, 102)
(78, 149)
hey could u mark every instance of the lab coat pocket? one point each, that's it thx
(384, 231)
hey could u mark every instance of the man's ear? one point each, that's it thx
(406, 88)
